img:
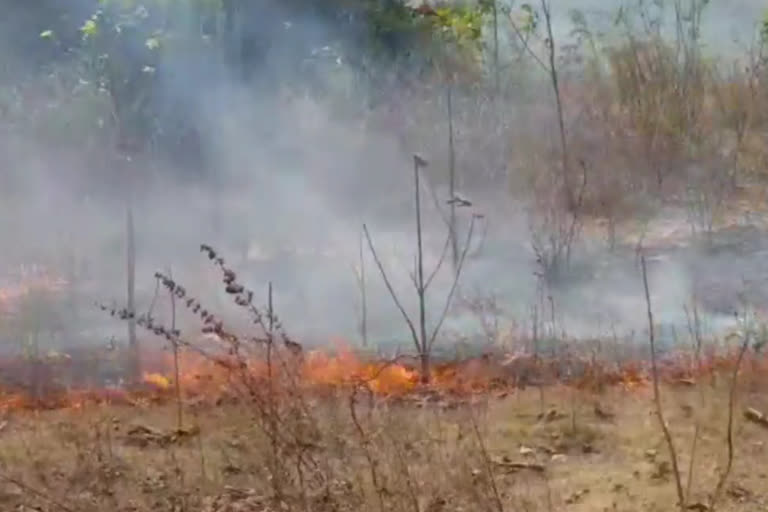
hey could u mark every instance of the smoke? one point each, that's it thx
(292, 175)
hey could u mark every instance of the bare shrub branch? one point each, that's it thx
(657, 392)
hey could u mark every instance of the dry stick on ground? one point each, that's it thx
(422, 342)
(657, 392)
(729, 432)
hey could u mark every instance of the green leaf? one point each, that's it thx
(90, 28)
(46, 34)
(764, 27)
(530, 18)
(152, 43)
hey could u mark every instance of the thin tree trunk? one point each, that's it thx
(423, 342)
(496, 71)
(452, 181)
(363, 298)
(131, 290)
(424, 358)
(555, 80)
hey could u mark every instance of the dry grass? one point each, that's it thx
(498, 453)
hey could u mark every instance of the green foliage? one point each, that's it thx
(764, 27)
(529, 19)
(463, 23)
(394, 25)
(125, 45)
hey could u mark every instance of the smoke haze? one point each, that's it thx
(284, 180)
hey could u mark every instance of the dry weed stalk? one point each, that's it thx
(57, 504)
(176, 367)
(487, 463)
(657, 392)
(729, 430)
(365, 441)
(694, 330)
(554, 231)
(661, 86)
(281, 411)
(361, 284)
(487, 311)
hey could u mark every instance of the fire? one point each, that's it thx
(203, 378)
(155, 379)
(347, 368)
(201, 375)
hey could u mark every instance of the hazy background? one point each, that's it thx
(287, 165)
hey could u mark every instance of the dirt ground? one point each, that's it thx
(538, 449)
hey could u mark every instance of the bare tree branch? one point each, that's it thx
(391, 290)
(439, 265)
(459, 267)
(526, 45)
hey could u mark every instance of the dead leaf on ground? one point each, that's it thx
(238, 500)
(739, 493)
(437, 504)
(551, 415)
(144, 436)
(526, 451)
(576, 497)
(663, 471)
(510, 466)
(602, 413)
(756, 416)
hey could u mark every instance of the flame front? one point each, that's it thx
(155, 379)
(203, 377)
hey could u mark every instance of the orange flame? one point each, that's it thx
(202, 377)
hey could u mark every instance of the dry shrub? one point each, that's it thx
(554, 229)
